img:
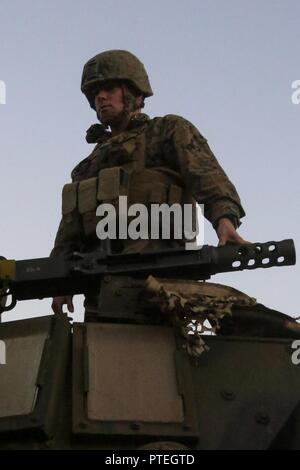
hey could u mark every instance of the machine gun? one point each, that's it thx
(80, 273)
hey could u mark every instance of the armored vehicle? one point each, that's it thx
(140, 374)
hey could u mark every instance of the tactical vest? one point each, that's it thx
(156, 185)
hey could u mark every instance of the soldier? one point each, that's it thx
(159, 160)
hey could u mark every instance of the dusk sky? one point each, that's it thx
(228, 67)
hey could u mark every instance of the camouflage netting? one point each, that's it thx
(195, 307)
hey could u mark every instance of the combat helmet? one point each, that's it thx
(114, 65)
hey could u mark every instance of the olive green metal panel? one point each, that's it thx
(132, 374)
(131, 380)
(18, 390)
(246, 391)
(32, 380)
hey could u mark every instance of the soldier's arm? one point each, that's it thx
(206, 179)
(68, 239)
(65, 243)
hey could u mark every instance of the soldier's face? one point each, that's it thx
(109, 102)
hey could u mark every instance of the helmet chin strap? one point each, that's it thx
(130, 104)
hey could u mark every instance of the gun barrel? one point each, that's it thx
(253, 256)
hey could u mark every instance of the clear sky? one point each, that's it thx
(227, 67)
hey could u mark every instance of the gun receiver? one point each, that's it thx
(80, 273)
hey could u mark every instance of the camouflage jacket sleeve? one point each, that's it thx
(64, 243)
(203, 174)
(69, 236)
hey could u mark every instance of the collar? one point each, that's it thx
(98, 133)
(138, 120)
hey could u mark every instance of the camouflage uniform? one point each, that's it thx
(172, 143)
(160, 160)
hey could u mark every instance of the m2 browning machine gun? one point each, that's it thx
(80, 273)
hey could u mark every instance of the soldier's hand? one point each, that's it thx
(59, 302)
(227, 233)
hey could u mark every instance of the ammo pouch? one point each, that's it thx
(151, 186)
(79, 207)
(71, 218)
(80, 200)
(143, 186)
(140, 186)
(157, 185)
